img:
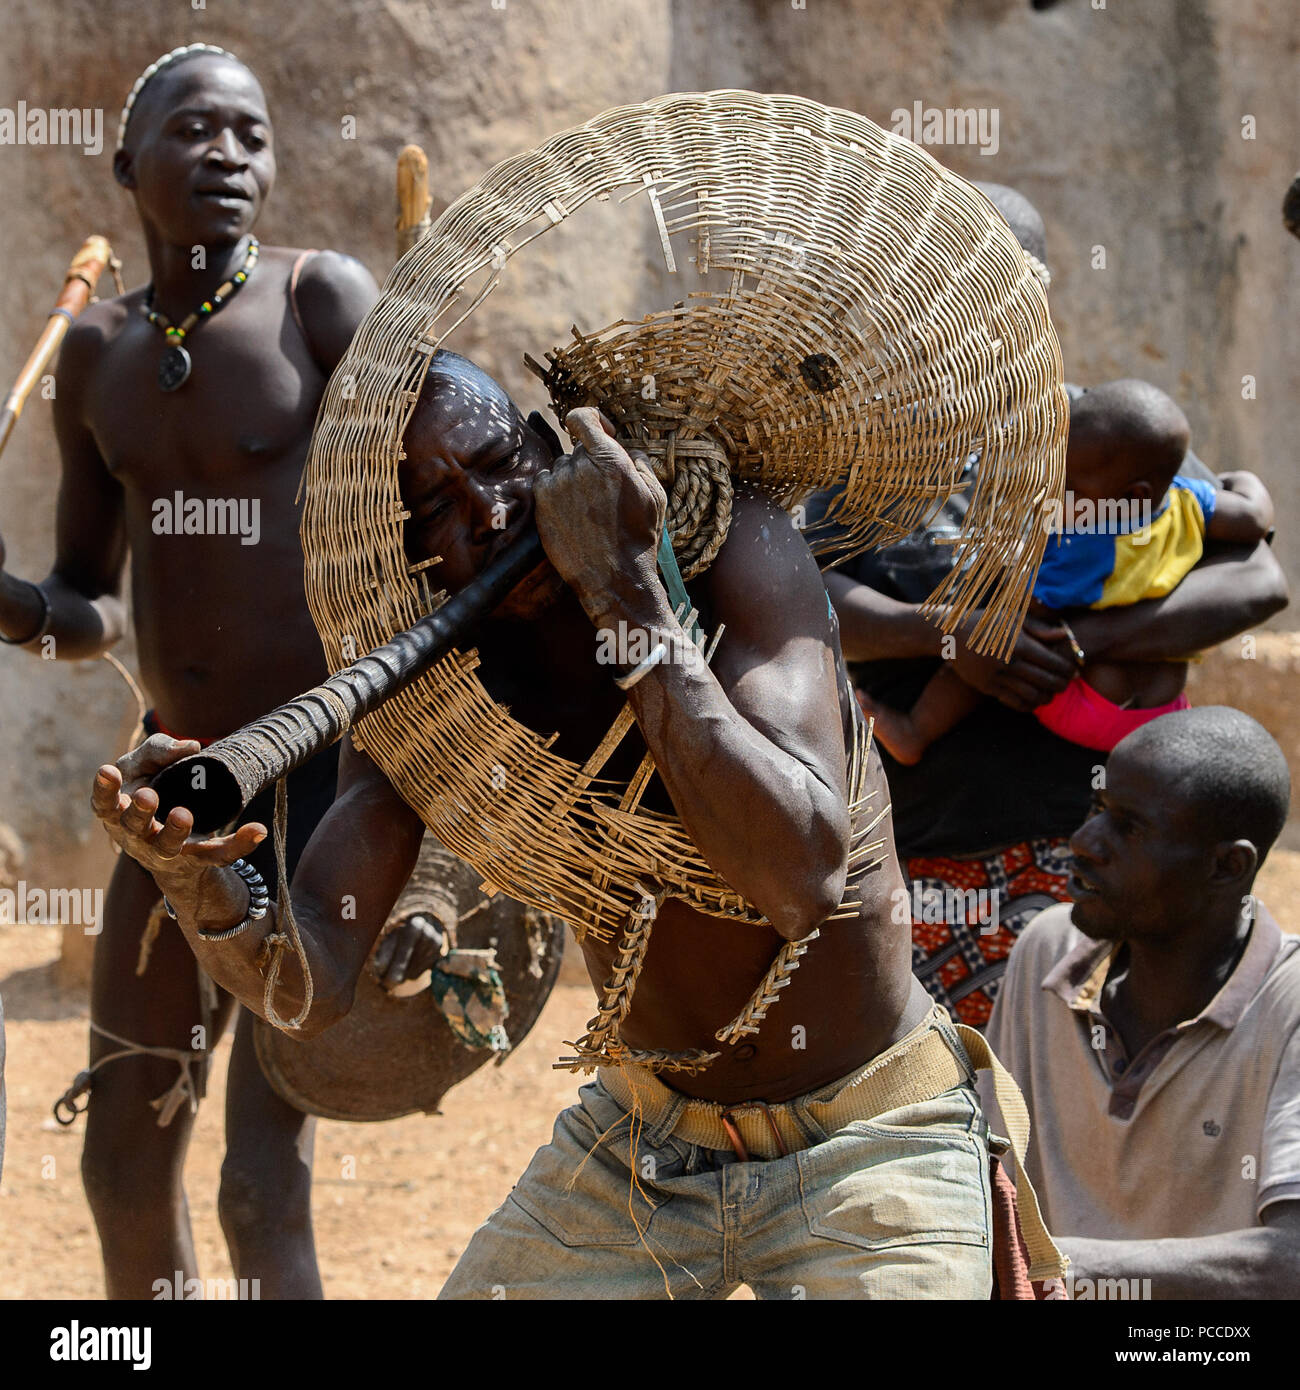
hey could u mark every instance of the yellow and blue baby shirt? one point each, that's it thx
(1111, 566)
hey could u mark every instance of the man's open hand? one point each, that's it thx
(125, 805)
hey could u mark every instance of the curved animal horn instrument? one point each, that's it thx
(847, 316)
(217, 784)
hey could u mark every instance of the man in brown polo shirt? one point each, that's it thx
(1154, 1026)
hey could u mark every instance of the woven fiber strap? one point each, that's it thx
(1045, 1260)
(918, 1068)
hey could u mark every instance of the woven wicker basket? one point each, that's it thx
(852, 316)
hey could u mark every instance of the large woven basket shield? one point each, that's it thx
(842, 315)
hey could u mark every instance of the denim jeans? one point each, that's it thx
(893, 1207)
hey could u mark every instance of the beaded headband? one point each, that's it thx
(165, 61)
(1040, 269)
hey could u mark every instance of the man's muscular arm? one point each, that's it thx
(1231, 590)
(752, 750)
(84, 587)
(359, 858)
(875, 627)
(751, 753)
(1260, 1262)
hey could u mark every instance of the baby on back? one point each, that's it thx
(1132, 527)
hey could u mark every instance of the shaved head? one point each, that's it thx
(452, 376)
(466, 473)
(1127, 431)
(1021, 216)
(1222, 767)
(1129, 409)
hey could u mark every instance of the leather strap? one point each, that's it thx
(293, 291)
(1045, 1260)
(674, 585)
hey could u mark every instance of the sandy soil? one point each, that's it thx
(421, 1184)
(394, 1230)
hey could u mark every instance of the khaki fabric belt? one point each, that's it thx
(917, 1068)
(1045, 1260)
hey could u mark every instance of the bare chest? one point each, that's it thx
(247, 406)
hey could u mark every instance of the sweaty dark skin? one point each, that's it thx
(239, 428)
(766, 729)
(222, 627)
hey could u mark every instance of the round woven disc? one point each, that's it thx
(843, 312)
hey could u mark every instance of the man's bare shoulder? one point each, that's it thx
(99, 324)
(334, 293)
(91, 338)
(765, 573)
(332, 276)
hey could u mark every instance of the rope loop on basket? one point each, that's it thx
(697, 479)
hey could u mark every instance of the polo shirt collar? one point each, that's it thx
(1245, 982)
(1079, 975)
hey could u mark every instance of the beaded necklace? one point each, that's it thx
(175, 364)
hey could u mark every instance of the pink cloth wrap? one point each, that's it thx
(1082, 716)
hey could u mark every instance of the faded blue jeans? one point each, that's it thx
(897, 1207)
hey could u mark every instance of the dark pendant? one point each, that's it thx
(174, 368)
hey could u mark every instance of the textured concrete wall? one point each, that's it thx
(470, 83)
(1124, 124)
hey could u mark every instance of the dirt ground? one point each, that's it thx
(394, 1230)
(421, 1184)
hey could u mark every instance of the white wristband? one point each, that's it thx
(635, 674)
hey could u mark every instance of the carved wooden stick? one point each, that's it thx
(413, 198)
(78, 285)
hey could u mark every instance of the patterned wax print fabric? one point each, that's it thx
(467, 987)
(967, 914)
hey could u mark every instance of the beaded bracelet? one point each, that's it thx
(258, 900)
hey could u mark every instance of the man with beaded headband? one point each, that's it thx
(777, 1103)
(205, 383)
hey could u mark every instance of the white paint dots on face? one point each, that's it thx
(498, 416)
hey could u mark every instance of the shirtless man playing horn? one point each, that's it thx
(185, 409)
(760, 1168)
